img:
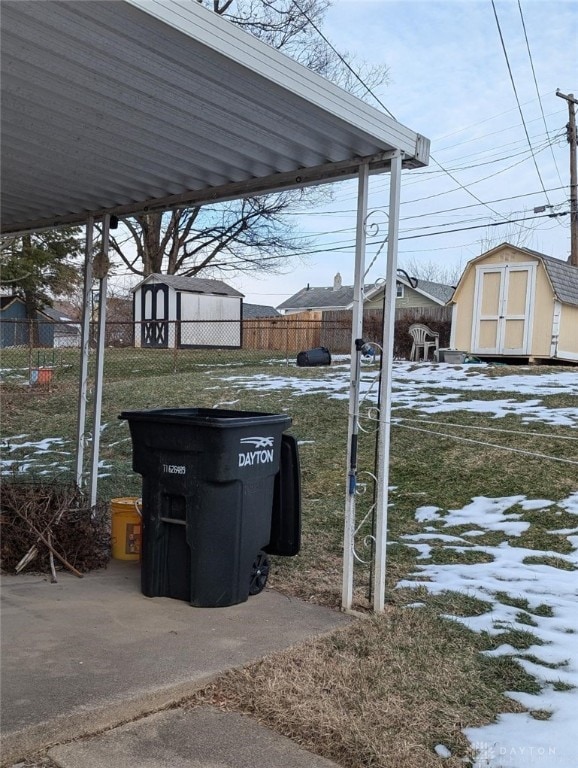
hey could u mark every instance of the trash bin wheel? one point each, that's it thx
(259, 573)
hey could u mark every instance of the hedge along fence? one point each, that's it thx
(336, 328)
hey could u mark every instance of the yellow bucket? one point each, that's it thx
(126, 528)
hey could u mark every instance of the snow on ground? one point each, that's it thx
(516, 740)
(415, 387)
(34, 456)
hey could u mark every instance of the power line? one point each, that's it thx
(492, 133)
(537, 91)
(380, 102)
(341, 58)
(348, 246)
(433, 213)
(337, 248)
(517, 99)
(489, 224)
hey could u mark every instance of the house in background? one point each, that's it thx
(414, 294)
(517, 303)
(66, 333)
(186, 312)
(53, 329)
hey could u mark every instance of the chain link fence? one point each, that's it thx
(39, 354)
(146, 365)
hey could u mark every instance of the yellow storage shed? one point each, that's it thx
(513, 302)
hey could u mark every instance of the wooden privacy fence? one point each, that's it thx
(306, 330)
(287, 333)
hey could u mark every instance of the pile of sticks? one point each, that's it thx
(48, 526)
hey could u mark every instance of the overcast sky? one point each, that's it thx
(449, 80)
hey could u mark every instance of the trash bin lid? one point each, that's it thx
(213, 417)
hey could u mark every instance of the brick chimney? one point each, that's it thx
(337, 282)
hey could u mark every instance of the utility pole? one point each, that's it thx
(571, 133)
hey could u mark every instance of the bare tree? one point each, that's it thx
(515, 234)
(243, 235)
(254, 233)
(433, 271)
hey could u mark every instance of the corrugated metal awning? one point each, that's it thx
(145, 104)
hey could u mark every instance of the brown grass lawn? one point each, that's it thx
(383, 692)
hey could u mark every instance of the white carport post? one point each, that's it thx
(101, 271)
(353, 421)
(383, 441)
(84, 352)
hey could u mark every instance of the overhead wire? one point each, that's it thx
(517, 98)
(536, 85)
(340, 246)
(420, 215)
(380, 102)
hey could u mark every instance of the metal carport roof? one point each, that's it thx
(120, 106)
(123, 106)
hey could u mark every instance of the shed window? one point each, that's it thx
(399, 290)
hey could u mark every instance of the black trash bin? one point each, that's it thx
(211, 488)
(313, 357)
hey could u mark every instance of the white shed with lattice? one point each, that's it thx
(186, 312)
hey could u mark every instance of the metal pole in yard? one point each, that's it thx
(176, 341)
(353, 420)
(84, 352)
(100, 266)
(383, 440)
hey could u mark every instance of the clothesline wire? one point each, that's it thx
(486, 429)
(490, 445)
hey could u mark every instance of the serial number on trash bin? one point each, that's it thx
(175, 469)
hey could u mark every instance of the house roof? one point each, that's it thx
(6, 301)
(438, 291)
(342, 298)
(140, 105)
(320, 298)
(254, 311)
(65, 325)
(191, 285)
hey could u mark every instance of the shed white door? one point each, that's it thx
(503, 305)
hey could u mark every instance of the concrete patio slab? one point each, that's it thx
(84, 655)
(201, 738)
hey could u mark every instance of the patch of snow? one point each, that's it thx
(530, 504)
(410, 383)
(570, 504)
(442, 750)
(427, 513)
(517, 739)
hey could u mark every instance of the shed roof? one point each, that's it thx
(192, 285)
(255, 311)
(136, 105)
(563, 276)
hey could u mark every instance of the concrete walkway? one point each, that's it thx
(84, 655)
